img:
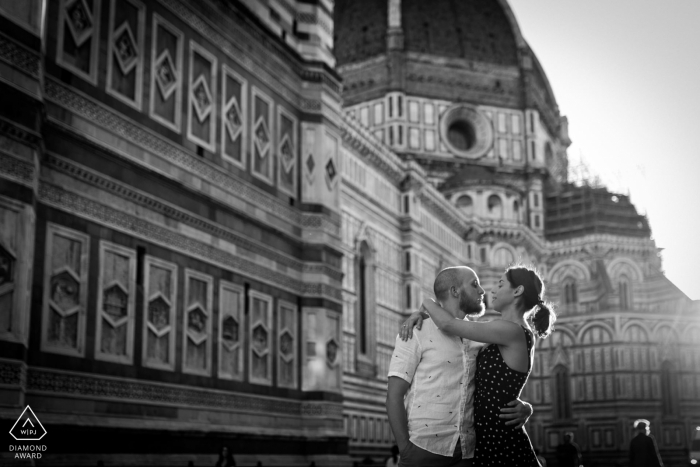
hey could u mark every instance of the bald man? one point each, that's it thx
(430, 396)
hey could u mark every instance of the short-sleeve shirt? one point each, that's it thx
(440, 401)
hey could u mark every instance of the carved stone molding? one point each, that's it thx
(16, 169)
(13, 373)
(373, 151)
(19, 57)
(150, 202)
(59, 383)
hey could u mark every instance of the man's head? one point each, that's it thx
(642, 426)
(568, 437)
(458, 290)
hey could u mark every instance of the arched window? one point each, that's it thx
(362, 301)
(570, 292)
(516, 210)
(495, 206)
(465, 204)
(364, 280)
(623, 288)
(561, 391)
(669, 389)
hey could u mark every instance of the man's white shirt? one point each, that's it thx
(440, 400)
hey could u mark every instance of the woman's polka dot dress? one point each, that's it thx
(496, 385)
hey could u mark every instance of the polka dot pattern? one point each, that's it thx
(496, 385)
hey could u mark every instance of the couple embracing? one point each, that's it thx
(451, 400)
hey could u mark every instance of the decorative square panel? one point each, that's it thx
(166, 76)
(202, 98)
(79, 21)
(259, 339)
(115, 302)
(230, 331)
(125, 48)
(310, 164)
(287, 154)
(233, 120)
(159, 313)
(196, 321)
(65, 292)
(330, 170)
(262, 136)
(286, 344)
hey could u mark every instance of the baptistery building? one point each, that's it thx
(215, 214)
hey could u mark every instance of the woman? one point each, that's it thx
(225, 458)
(503, 367)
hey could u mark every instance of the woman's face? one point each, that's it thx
(502, 294)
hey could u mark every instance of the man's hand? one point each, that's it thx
(517, 413)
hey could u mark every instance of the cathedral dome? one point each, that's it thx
(458, 51)
(476, 30)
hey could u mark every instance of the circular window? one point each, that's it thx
(460, 134)
(466, 131)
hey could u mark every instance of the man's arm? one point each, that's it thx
(517, 413)
(398, 420)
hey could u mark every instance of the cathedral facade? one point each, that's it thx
(216, 213)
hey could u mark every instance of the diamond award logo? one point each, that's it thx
(28, 427)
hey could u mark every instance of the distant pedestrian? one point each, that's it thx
(568, 453)
(643, 449)
(225, 458)
(393, 461)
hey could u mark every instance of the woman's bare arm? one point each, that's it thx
(493, 332)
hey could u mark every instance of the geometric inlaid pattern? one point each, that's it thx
(260, 318)
(115, 315)
(201, 127)
(125, 48)
(202, 98)
(231, 353)
(166, 75)
(197, 323)
(160, 292)
(79, 20)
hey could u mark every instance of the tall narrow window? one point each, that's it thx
(561, 390)
(362, 302)
(624, 292)
(570, 292)
(669, 389)
(364, 311)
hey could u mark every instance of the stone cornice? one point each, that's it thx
(49, 381)
(609, 242)
(59, 198)
(162, 207)
(20, 57)
(374, 152)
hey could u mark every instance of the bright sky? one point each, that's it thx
(626, 73)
